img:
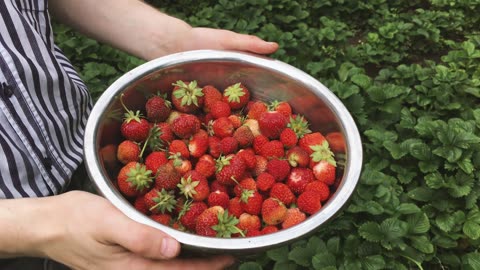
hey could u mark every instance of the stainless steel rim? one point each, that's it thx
(348, 126)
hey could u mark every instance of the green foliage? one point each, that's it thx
(409, 73)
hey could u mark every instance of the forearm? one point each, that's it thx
(130, 25)
(24, 228)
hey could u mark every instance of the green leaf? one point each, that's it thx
(373, 262)
(323, 260)
(422, 243)
(279, 254)
(250, 266)
(370, 231)
(285, 266)
(422, 194)
(418, 223)
(471, 229)
(361, 80)
(445, 222)
(407, 208)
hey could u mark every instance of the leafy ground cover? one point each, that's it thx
(409, 72)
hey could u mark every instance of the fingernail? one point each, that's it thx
(169, 247)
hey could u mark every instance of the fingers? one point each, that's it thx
(234, 41)
(141, 239)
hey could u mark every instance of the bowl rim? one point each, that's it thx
(335, 203)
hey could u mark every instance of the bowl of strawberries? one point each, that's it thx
(228, 152)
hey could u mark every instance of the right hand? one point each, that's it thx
(90, 233)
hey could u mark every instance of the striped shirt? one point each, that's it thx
(43, 104)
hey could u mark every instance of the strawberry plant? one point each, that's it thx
(408, 71)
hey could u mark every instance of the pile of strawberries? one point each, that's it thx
(216, 163)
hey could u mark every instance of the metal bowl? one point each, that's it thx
(267, 79)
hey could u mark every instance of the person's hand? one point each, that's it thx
(90, 233)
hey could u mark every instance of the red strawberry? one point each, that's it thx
(185, 125)
(128, 151)
(336, 142)
(309, 202)
(108, 156)
(214, 147)
(179, 146)
(244, 136)
(245, 184)
(278, 168)
(299, 125)
(190, 212)
(194, 185)
(198, 144)
(294, 216)
(158, 108)
(154, 160)
(282, 107)
(218, 198)
(249, 157)
(205, 167)
(272, 149)
(215, 185)
(182, 166)
(215, 221)
(140, 205)
(324, 172)
(269, 229)
(236, 120)
(256, 109)
(187, 97)
(160, 201)
(271, 124)
(258, 142)
(222, 127)
(167, 177)
(299, 178)
(228, 145)
(166, 133)
(229, 169)
(322, 152)
(251, 201)
(235, 207)
(173, 115)
(211, 95)
(273, 211)
(134, 127)
(164, 219)
(297, 157)
(283, 193)
(309, 140)
(249, 223)
(320, 188)
(134, 179)
(236, 96)
(260, 166)
(289, 138)
(253, 125)
(265, 181)
(220, 109)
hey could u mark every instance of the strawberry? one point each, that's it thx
(166, 134)
(190, 212)
(258, 142)
(271, 124)
(229, 169)
(215, 221)
(336, 142)
(265, 181)
(309, 140)
(272, 149)
(194, 185)
(283, 193)
(268, 229)
(322, 152)
(282, 107)
(205, 168)
(128, 151)
(164, 219)
(249, 223)
(108, 156)
(309, 202)
(134, 127)
(253, 125)
(173, 115)
(214, 148)
(245, 184)
(298, 179)
(278, 168)
(249, 157)
(182, 166)
(185, 125)
(320, 188)
(198, 144)
(297, 157)
(220, 109)
(187, 97)
(158, 108)
(154, 160)
(160, 201)
(235, 207)
(134, 179)
(244, 136)
(140, 205)
(256, 109)
(228, 145)
(167, 177)
(299, 125)
(237, 96)
(289, 138)
(215, 185)
(218, 197)
(251, 201)
(273, 211)
(222, 127)
(293, 217)
(236, 120)
(260, 165)
(179, 146)
(211, 95)
(324, 171)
